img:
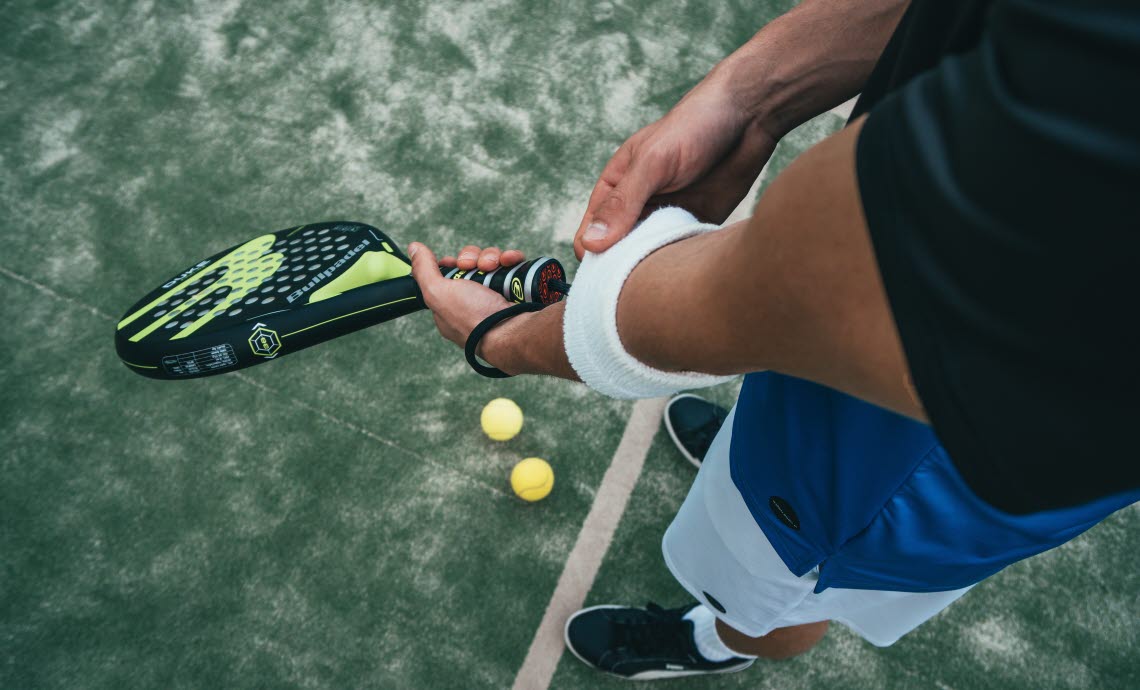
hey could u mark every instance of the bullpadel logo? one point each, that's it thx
(783, 512)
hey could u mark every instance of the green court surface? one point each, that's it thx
(336, 519)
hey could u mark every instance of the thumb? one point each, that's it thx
(425, 268)
(618, 211)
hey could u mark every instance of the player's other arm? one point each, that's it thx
(809, 60)
(704, 154)
(794, 289)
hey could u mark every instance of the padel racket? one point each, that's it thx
(285, 291)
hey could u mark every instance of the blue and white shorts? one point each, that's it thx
(718, 553)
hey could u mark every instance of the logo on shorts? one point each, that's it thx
(783, 512)
(713, 602)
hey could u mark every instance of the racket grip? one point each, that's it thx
(541, 280)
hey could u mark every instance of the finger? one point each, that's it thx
(607, 180)
(447, 262)
(425, 269)
(601, 189)
(488, 259)
(617, 213)
(467, 257)
(511, 257)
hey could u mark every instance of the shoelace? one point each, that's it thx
(656, 632)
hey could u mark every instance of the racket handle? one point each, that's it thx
(540, 280)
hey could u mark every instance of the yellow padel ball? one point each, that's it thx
(502, 419)
(532, 479)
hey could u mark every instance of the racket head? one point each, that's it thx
(267, 297)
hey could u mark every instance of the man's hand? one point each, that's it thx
(708, 150)
(458, 306)
(485, 260)
(794, 289)
(702, 156)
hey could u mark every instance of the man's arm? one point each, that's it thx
(794, 289)
(809, 60)
(705, 153)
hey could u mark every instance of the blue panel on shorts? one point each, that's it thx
(874, 498)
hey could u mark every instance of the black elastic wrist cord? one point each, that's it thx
(486, 325)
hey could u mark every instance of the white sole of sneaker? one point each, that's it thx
(665, 675)
(644, 675)
(673, 435)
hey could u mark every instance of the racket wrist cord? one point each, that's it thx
(486, 325)
(559, 286)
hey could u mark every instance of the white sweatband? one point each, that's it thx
(589, 324)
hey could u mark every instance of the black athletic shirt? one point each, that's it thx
(999, 170)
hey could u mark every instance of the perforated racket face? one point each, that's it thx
(289, 282)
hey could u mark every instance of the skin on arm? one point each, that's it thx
(781, 643)
(794, 289)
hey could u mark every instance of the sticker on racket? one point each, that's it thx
(288, 290)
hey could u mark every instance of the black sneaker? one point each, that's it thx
(641, 644)
(693, 422)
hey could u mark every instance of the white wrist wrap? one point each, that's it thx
(589, 325)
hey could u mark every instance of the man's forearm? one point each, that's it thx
(530, 344)
(795, 289)
(809, 60)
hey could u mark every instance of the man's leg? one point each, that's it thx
(662, 643)
(782, 643)
(651, 643)
(692, 423)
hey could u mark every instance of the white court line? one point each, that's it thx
(743, 210)
(55, 295)
(593, 541)
(844, 109)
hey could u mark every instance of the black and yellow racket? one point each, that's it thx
(284, 291)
